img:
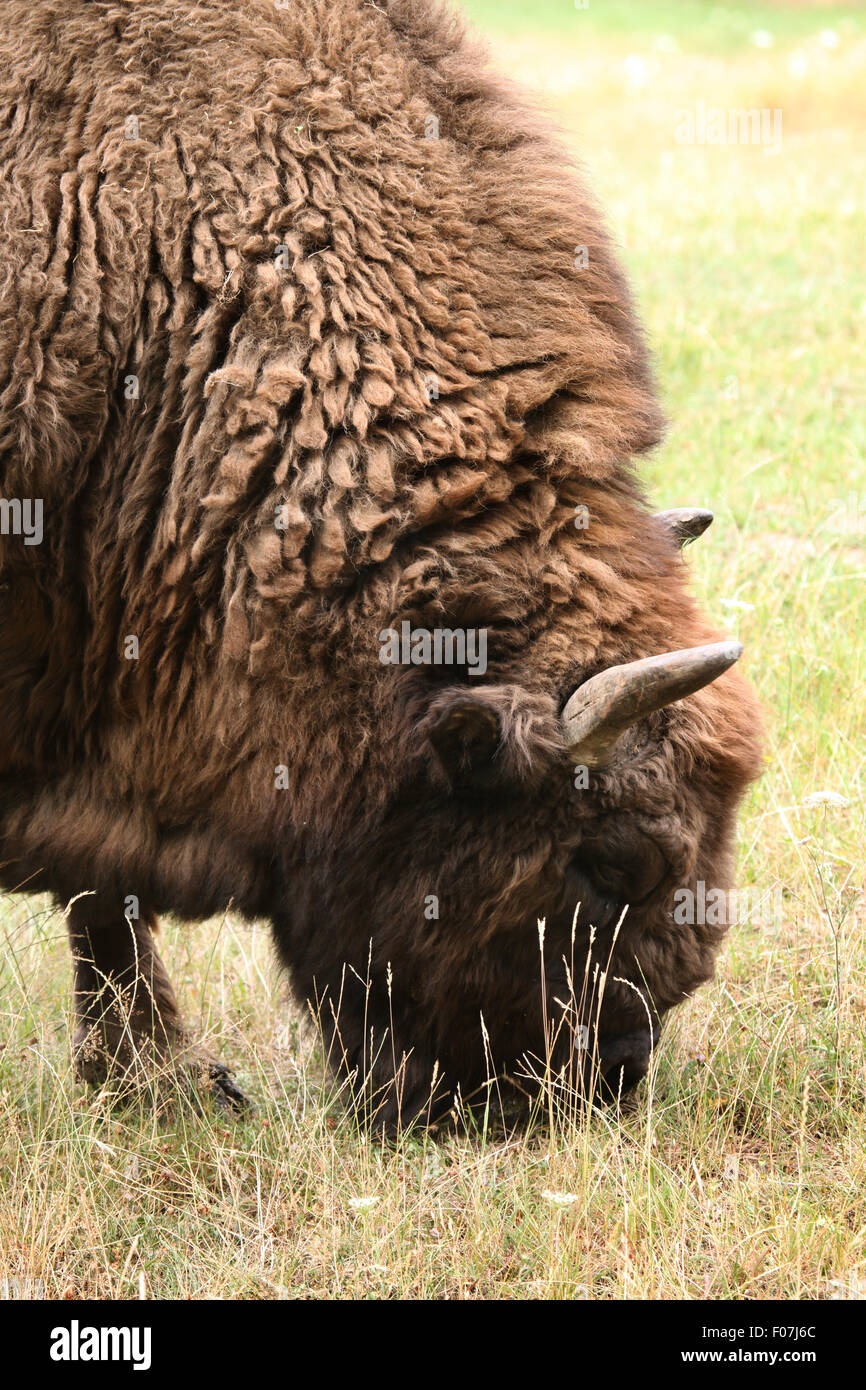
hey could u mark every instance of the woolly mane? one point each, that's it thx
(342, 262)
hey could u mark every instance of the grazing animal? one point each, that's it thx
(328, 588)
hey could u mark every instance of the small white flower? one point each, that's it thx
(762, 38)
(825, 799)
(798, 64)
(560, 1199)
(362, 1203)
(635, 69)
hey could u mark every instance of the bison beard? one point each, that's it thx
(308, 330)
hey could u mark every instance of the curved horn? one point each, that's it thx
(685, 523)
(601, 709)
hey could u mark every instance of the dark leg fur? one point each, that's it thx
(127, 1024)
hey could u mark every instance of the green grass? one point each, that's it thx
(742, 1171)
(696, 24)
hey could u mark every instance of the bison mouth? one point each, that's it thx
(623, 1059)
(603, 1069)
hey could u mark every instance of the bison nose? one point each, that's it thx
(624, 1058)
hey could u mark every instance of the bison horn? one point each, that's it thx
(685, 523)
(600, 710)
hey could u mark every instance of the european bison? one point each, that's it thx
(328, 589)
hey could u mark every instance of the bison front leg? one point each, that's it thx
(128, 1028)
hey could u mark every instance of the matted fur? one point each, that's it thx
(375, 379)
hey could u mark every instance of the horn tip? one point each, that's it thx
(701, 519)
(685, 524)
(729, 652)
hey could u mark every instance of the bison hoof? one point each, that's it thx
(217, 1082)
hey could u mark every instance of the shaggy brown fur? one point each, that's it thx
(374, 382)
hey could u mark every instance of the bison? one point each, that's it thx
(328, 587)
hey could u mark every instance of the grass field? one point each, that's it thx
(742, 1172)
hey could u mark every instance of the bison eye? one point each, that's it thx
(609, 878)
(624, 864)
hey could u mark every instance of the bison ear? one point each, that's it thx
(465, 732)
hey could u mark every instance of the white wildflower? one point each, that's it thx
(798, 63)
(825, 799)
(635, 69)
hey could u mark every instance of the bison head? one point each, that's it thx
(506, 903)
